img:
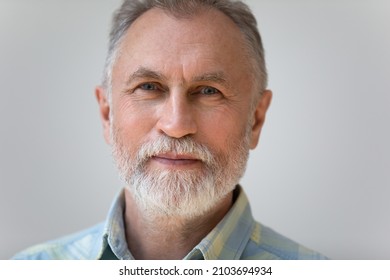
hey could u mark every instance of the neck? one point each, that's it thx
(162, 237)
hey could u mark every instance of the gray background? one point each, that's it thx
(320, 175)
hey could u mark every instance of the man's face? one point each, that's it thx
(184, 111)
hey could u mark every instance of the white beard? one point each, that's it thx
(183, 193)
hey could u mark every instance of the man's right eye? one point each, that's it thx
(148, 86)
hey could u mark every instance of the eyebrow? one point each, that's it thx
(143, 72)
(216, 77)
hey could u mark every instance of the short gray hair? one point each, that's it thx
(237, 11)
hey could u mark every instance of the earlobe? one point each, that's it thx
(104, 109)
(259, 117)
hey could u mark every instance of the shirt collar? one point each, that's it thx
(114, 239)
(226, 241)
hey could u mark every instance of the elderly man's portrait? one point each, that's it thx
(194, 129)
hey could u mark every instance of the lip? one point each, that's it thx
(176, 159)
(175, 156)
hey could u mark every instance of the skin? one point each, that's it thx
(180, 77)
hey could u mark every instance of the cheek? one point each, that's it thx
(133, 123)
(220, 129)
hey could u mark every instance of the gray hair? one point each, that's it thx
(237, 11)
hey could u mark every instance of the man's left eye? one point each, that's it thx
(209, 91)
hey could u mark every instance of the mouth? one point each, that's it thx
(176, 160)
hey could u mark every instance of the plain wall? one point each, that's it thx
(320, 174)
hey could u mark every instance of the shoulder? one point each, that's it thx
(265, 243)
(81, 245)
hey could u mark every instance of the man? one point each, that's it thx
(182, 102)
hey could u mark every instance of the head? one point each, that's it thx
(183, 100)
(237, 11)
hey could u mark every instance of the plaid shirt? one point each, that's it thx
(237, 236)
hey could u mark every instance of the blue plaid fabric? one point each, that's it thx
(237, 236)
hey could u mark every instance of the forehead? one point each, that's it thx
(207, 41)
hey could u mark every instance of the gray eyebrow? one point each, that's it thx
(144, 72)
(216, 77)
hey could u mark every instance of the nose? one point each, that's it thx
(177, 118)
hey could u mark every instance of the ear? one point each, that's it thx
(259, 117)
(104, 109)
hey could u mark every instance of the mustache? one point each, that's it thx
(185, 145)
